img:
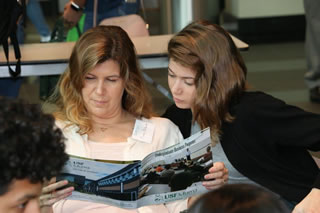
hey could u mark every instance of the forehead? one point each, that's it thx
(181, 70)
(109, 67)
(20, 189)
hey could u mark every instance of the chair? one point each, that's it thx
(133, 24)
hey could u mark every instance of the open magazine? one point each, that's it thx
(163, 176)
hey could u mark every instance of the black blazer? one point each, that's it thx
(268, 142)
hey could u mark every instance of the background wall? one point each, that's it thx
(263, 8)
(176, 14)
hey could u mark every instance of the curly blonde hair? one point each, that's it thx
(94, 47)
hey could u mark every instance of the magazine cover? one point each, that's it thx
(163, 176)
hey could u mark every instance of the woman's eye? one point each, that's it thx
(171, 75)
(189, 83)
(112, 79)
(89, 77)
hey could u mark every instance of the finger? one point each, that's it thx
(217, 166)
(215, 169)
(215, 175)
(54, 186)
(50, 199)
(213, 184)
(58, 195)
(45, 200)
(225, 178)
(226, 174)
(63, 191)
(45, 197)
(226, 171)
(56, 199)
(48, 182)
(53, 180)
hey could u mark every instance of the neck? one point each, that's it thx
(114, 118)
(102, 124)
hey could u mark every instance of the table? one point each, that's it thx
(52, 58)
(42, 59)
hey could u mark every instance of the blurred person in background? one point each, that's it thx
(312, 48)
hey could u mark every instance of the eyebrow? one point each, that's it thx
(115, 75)
(183, 77)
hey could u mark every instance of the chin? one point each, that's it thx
(182, 106)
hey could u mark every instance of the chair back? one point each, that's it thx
(133, 24)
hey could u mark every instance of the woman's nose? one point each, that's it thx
(176, 87)
(100, 88)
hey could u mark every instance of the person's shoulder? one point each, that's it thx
(254, 102)
(163, 125)
(66, 126)
(259, 105)
(159, 121)
(60, 123)
(165, 131)
(251, 100)
(258, 96)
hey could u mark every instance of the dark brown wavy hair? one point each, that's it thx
(220, 71)
(236, 198)
(94, 47)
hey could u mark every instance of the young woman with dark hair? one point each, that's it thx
(260, 139)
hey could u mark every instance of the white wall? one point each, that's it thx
(264, 8)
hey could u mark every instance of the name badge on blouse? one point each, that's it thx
(143, 131)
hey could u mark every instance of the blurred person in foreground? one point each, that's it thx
(236, 198)
(32, 152)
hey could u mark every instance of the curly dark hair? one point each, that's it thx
(31, 146)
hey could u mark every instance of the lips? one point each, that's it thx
(176, 100)
(99, 103)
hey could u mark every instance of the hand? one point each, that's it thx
(50, 194)
(310, 204)
(218, 176)
(70, 16)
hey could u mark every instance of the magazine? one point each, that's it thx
(163, 176)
